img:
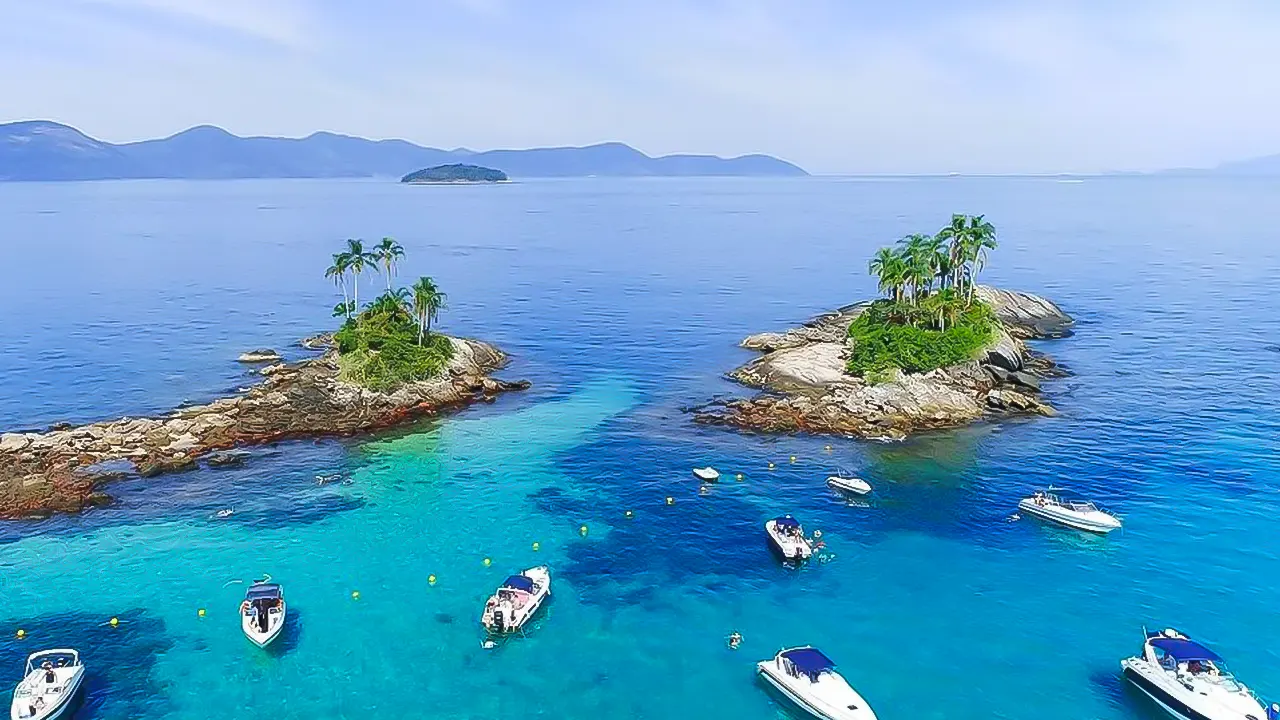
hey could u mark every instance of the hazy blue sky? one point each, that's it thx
(835, 85)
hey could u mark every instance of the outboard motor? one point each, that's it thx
(499, 623)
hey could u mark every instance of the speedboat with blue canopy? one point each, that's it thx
(1188, 680)
(1066, 509)
(787, 536)
(50, 682)
(809, 679)
(516, 601)
(262, 613)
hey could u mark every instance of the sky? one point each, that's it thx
(837, 86)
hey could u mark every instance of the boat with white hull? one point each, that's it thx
(787, 537)
(516, 601)
(262, 613)
(809, 679)
(1064, 509)
(707, 474)
(849, 484)
(1190, 681)
(48, 686)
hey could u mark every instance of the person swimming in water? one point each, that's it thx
(735, 639)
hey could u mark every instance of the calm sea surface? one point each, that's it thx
(623, 300)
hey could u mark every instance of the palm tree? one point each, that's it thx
(388, 252)
(357, 261)
(957, 235)
(887, 265)
(338, 271)
(427, 302)
(980, 237)
(918, 254)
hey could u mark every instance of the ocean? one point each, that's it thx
(623, 300)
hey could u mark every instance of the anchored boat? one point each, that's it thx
(262, 612)
(516, 601)
(787, 536)
(50, 682)
(1190, 681)
(849, 484)
(707, 474)
(1064, 509)
(809, 679)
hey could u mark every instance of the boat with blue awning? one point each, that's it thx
(786, 535)
(516, 601)
(1190, 681)
(808, 678)
(262, 613)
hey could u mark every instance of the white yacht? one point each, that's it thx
(1190, 681)
(849, 484)
(786, 535)
(49, 684)
(809, 679)
(516, 601)
(707, 474)
(1056, 506)
(262, 613)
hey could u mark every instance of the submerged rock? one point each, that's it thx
(806, 387)
(259, 356)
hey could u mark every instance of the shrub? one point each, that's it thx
(897, 335)
(379, 350)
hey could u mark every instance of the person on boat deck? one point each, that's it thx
(49, 675)
(1194, 667)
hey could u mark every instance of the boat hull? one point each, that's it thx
(1071, 520)
(540, 575)
(1181, 705)
(275, 626)
(852, 486)
(788, 548)
(768, 670)
(58, 710)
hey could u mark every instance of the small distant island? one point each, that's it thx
(385, 365)
(455, 173)
(938, 350)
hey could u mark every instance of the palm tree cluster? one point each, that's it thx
(421, 302)
(949, 260)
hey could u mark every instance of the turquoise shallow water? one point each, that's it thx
(622, 301)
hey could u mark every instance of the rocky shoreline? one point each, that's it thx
(805, 387)
(47, 472)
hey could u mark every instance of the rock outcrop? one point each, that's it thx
(43, 473)
(805, 386)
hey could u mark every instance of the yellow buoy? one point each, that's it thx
(582, 531)
(793, 458)
(487, 562)
(115, 622)
(21, 634)
(671, 500)
(431, 579)
(355, 594)
(200, 612)
(537, 546)
(770, 466)
(827, 448)
(739, 476)
(630, 514)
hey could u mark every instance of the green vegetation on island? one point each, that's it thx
(387, 342)
(455, 173)
(929, 317)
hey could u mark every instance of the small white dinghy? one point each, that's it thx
(50, 682)
(786, 535)
(707, 474)
(809, 679)
(1077, 513)
(849, 484)
(516, 601)
(262, 612)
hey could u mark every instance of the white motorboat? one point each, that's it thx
(49, 684)
(786, 535)
(1055, 506)
(809, 679)
(707, 474)
(262, 613)
(516, 601)
(1190, 681)
(849, 484)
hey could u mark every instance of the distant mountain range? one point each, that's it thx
(43, 150)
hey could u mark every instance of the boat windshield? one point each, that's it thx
(55, 658)
(1071, 503)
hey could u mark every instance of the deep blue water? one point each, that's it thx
(623, 300)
